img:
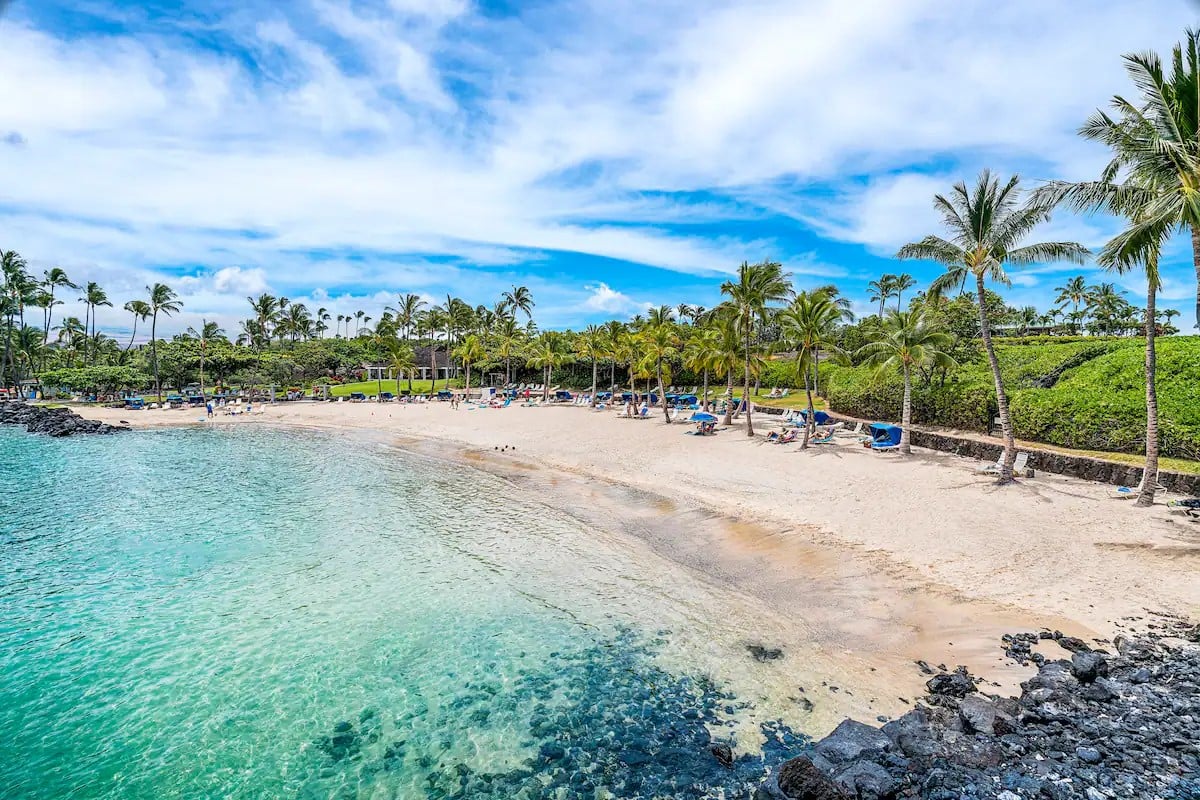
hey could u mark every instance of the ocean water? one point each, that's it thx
(256, 613)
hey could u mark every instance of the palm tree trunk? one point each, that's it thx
(49, 314)
(746, 388)
(1196, 264)
(595, 374)
(729, 395)
(202, 347)
(129, 346)
(1150, 474)
(811, 419)
(546, 385)
(433, 366)
(612, 375)
(662, 393)
(906, 414)
(704, 397)
(1010, 442)
(4, 374)
(468, 394)
(154, 353)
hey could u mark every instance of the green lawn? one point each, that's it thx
(373, 387)
(796, 399)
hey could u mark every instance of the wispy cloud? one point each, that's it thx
(432, 146)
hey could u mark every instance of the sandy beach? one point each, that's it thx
(875, 555)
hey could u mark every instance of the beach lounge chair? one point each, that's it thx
(1018, 465)
(855, 431)
(827, 438)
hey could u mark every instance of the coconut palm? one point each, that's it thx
(701, 354)
(728, 356)
(1155, 143)
(1074, 291)
(907, 340)
(401, 359)
(519, 299)
(592, 344)
(880, 291)
(162, 300)
(900, 283)
(54, 278)
(93, 298)
(470, 351)
(140, 310)
(548, 352)
(204, 334)
(808, 327)
(322, 318)
(406, 313)
(659, 344)
(751, 296)
(266, 313)
(986, 226)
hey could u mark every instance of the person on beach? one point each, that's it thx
(209, 408)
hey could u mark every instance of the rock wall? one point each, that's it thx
(1090, 469)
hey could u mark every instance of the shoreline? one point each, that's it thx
(908, 551)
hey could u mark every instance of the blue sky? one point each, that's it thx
(607, 154)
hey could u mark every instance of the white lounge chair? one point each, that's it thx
(1018, 465)
(857, 430)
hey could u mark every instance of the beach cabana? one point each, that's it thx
(562, 396)
(885, 436)
(386, 397)
(357, 397)
(445, 394)
(135, 403)
(688, 400)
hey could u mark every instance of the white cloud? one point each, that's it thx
(604, 298)
(409, 128)
(240, 281)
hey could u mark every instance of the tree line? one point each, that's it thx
(1154, 141)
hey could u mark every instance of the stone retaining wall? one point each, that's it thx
(1089, 469)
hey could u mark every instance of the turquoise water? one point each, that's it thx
(258, 613)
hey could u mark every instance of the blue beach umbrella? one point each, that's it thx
(703, 417)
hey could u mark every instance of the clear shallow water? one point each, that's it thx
(258, 613)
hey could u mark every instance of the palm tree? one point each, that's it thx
(1074, 291)
(266, 312)
(751, 296)
(728, 357)
(1155, 142)
(208, 331)
(470, 351)
(881, 290)
(162, 300)
(406, 314)
(519, 299)
(94, 297)
(659, 344)
(904, 341)
(701, 354)
(140, 310)
(322, 318)
(592, 345)
(54, 278)
(899, 284)
(986, 225)
(808, 327)
(548, 352)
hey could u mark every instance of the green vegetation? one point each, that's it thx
(1097, 401)
(389, 385)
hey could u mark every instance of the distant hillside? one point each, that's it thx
(1084, 393)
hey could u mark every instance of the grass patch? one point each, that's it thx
(389, 385)
(795, 399)
(1180, 465)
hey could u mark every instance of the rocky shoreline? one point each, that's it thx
(56, 421)
(1091, 724)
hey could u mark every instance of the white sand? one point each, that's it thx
(875, 553)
